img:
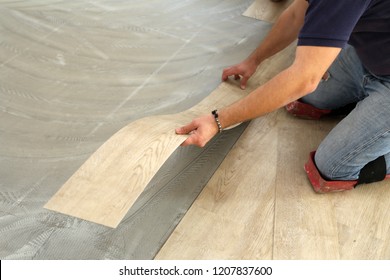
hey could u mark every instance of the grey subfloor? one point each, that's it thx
(72, 73)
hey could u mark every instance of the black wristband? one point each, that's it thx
(215, 114)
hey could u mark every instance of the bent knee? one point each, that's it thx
(331, 167)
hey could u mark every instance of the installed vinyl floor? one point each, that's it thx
(72, 73)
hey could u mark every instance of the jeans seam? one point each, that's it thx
(357, 151)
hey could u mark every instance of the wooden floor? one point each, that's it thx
(260, 205)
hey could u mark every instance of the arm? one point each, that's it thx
(283, 33)
(301, 78)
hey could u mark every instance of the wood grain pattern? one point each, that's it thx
(362, 218)
(305, 224)
(108, 183)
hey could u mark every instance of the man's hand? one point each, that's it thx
(243, 71)
(201, 130)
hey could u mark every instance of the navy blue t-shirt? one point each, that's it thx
(365, 24)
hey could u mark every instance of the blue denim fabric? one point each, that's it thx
(364, 134)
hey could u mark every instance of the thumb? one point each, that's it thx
(186, 129)
(244, 80)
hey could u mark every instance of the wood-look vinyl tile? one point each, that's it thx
(109, 182)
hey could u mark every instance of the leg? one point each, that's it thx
(361, 137)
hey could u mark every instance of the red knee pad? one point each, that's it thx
(306, 111)
(320, 185)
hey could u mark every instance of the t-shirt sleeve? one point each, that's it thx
(330, 22)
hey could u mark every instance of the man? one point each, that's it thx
(342, 57)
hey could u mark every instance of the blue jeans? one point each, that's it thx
(363, 135)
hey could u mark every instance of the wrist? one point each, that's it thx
(217, 121)
(255, 59)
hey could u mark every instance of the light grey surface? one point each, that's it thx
(72, 73)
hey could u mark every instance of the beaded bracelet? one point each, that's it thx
(215, 114)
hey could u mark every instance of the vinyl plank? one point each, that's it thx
(166, 199)
(108, 183)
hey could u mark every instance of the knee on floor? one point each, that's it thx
(331, 168)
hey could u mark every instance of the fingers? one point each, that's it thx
(191, 130)
(193, 139)
(234, 71)
(200, 131)
(228, 72)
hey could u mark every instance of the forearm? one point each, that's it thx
(282, 34)
(301, 78)
(279, 91)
